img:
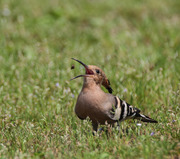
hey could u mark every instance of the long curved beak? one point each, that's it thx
(89, 72)
(79, 76)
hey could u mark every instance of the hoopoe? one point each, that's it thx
(103, 107)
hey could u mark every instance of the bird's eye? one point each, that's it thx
(97, 71)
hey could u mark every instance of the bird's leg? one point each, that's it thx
(96, 130)
(95, 126)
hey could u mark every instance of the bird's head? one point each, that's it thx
(96, 74)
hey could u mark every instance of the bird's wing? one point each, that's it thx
(122, 111)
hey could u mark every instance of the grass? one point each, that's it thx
(136, 43)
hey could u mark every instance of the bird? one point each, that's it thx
(100, 107)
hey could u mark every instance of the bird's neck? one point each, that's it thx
(90, 84)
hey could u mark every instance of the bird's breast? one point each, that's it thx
(91, 105)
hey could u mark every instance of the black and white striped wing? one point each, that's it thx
(122, 111)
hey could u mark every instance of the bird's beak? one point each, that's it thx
(89, 72)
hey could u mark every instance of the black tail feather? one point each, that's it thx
(145, 118)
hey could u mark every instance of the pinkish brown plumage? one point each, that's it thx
(99, 106)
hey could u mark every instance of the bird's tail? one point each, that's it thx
(123, 111)
(145, 118)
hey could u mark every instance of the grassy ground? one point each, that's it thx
(136, 43)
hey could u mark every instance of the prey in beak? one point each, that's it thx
(89, 72)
